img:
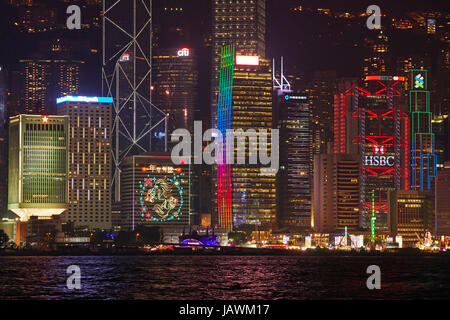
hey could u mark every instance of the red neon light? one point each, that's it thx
(379, 206)
(375, 140)
(384, 78)
(407, 153)
(364, 92)
(371, 114)
(379, 171)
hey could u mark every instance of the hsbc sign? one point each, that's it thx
(379, 161)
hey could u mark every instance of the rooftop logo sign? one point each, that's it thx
(419, 81)
(185, 52)
(84, 99)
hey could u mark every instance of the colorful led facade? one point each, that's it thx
(38, 165)
(224, 197)
(245, 196)
(155, 192)
(373, 123)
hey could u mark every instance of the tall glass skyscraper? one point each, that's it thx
(374, 123)
(242, 23)
(292, 118)
(423, 156)
(245, 196)
(174, 89)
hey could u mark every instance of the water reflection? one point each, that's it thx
(223, 277)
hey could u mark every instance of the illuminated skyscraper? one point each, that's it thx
(171, 24)
(38, 165)
(410, 214)
(3, 143)
(292, 118)
(423, 157)
(336, 192)
(441, 129)
(443, 200)
(320, 93)
(373, 123)
(245, 196)
(238, 22)
(155, 192)
(90, 120)
(41, 81)
(378, 60)
(175, 84)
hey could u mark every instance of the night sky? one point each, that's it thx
(309, 41)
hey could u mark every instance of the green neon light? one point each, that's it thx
(372, 221)
(423, 157)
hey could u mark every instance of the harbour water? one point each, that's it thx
(225, 277)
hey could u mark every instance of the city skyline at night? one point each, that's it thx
(227, 128)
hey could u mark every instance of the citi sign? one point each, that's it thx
(183, 52)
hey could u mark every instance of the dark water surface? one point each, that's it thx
(224, 277)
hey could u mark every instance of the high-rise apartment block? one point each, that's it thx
(443, 200)
(320, 93)
(39, 82)
(379, 58)
(336, 192)
(90, 175)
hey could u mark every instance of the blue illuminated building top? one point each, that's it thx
(84, 99)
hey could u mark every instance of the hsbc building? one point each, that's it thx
(371, 120)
